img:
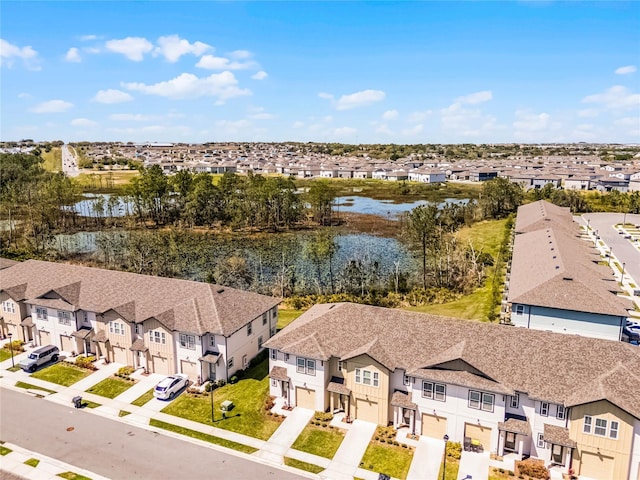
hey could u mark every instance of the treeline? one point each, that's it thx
(591, 201)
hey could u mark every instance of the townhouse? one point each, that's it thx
(570, 400)
(557, 282)
(163, 325)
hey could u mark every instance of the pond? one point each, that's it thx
(385, 208)
(102, 205)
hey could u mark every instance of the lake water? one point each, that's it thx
(384, 208)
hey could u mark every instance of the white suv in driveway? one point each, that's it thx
(170, 386)
(39, 357)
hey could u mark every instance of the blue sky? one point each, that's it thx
(353, 72)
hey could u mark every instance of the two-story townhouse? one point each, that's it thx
(493, 387)
(160, 324)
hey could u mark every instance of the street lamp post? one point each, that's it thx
(11, 348)
(622, 276)
(610, 255)
(444, 462)
(211, 390)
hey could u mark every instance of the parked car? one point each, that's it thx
(630, 335)
(168, 387)
(40, 356)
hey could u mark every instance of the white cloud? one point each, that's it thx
(470, 122)
(240, 54)
(628, 122)
(261, 75)
(52, 106)
(23, 95)
(615, 98)
(390, 115)
(475, 98)
(419, 116)
(326, 96)
(211, 62)
(297, 124)
(384, 129)
(588, 113)
(345, 131)
(87, 38)
(186, 85)
(415, 130)
(131, 117)
(134, 48)
(112, 96)
(531, 122)
(627, 69)
(9, 52)
(261, 116)
(73, 55)
(172, 47)
(359, 99)
(83, 122)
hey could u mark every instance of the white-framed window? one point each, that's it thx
(601, 427)
(306, 365)
(86, 317)
(245, 361)
(342, 365)
(212, 341)
(264, 319)
(586, 426)
(519, 309)
(188, 341)
(406, 380)
(64, 318)
(358, 375)
(514, 400)
(230, 363)
(311, 367)
(274, 383)
(435, 391)
(274, 354)
(8, 306)
(138, 328)
(274, 312)
(273, 331)
(613, 430)
(157, 336)
(541, 443)
(560, 413)
(301, 362)
(481, 400)
(249, 328)
(116, 328)
(367, 377)
(286, 357)
(41, 313)
(260, 342)
(544, 409)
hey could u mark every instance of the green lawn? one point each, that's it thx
(123, 413)
(144, 398)
(52, 159)
(4, 450)
(90, 404)
(248, 417)
(307, 467)
(286, 316)
(320, 441)
(62, 373)
(73, 476)
(28, 386)
(388, 459)
(453, 466)
(111, 387)
(202, 436)
(32, 462)
(5, 354)
(15, 368)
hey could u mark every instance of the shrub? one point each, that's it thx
(86, 362)
(404, 445)
(233, 380)
(220, 383)
(533, 469)
(323, 416)
(269, 403)
(454, 450)
(125, 371)
(15, 345)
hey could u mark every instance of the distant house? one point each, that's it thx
(577, 183)
(482, 175)
(427, 176)
(164, 325)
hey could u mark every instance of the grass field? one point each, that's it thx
(110, 387)
(286, 316)
(105, 181)
(319, 441)
(451, 473)
(388, 459)
(5, 354)
(307, 467)
(62, 374)
(52, 159)
(28, 386)
(144, 398)
(485, 236)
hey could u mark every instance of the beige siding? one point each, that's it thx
(162, 354)
(589, 444)
(378, 396)
(119, 344)
(305, 398)
(434, 426)
(12, 320)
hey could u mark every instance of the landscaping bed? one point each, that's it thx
(320, 438)
(62, 373)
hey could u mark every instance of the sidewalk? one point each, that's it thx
(47, 468)
(347, 459)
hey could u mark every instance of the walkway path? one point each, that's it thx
(347, 459)
(280, 442)
(475, 465)
(427, 459)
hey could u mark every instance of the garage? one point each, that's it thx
(434, 426)
(366, 410)
(119, 355)
(160, 365)
(68, 344)
(45, 338)
(306, 398)
(597, 467)
(480, 433)
(190, 369)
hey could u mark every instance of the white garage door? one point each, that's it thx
(306, 398)
(366, 410)
(597, 467)
(190, 369)
(119, 355)
(160, 365)
(434, 426)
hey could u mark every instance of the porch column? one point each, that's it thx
(567, 460)
(520, 444)
(413, 422)
(501, 438)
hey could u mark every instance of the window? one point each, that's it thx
(188, 341)
(560, 412)
(406, 380)
(519, 309)
(64, 318)
(212, 341)
(514, 400)
(264, 318)
(376, 379)
(245, 362)
(440, 392)
(301, 364)
(541, 443)
(613, 430)
(230, 363)
(274, 312)
(259, 342)
(116, 328)
(157, 337)
(274, 354)
(358, 375)
(274, 383)
(342, 365)
(601, 427)
(273, 331)
(367, 377)
(249, 328)
(306, 365)
(138, 328)
(86, 317)
(586, 427)
(41, 313)
(311, 367)
(544, 409)
(286, 357)
(8, 306)
(481, 401)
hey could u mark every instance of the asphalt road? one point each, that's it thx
(69, 163)
(113, 449)
(623, 250)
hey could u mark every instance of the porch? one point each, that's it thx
(339, 396)
(404, 411)
(513, 433)
(561, 447)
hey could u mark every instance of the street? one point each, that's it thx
(69, 162)
(113, 449)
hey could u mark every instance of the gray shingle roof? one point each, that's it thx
(180, 305)
(552, 367)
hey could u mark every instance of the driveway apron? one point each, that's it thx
(347, 459)
(282, 439)
(427, 459)
(475, 465)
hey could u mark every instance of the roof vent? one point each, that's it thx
(220, 290)
(557, 267)
(567, 278)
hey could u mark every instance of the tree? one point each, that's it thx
(234, 272)
(321, 197)
(500, 197)
(322, 248)
(422, 229)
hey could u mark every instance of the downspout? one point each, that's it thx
(226, 357)
(529, 317)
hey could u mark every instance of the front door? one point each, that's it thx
(285, 390)
(510, 441)
(557, 455)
